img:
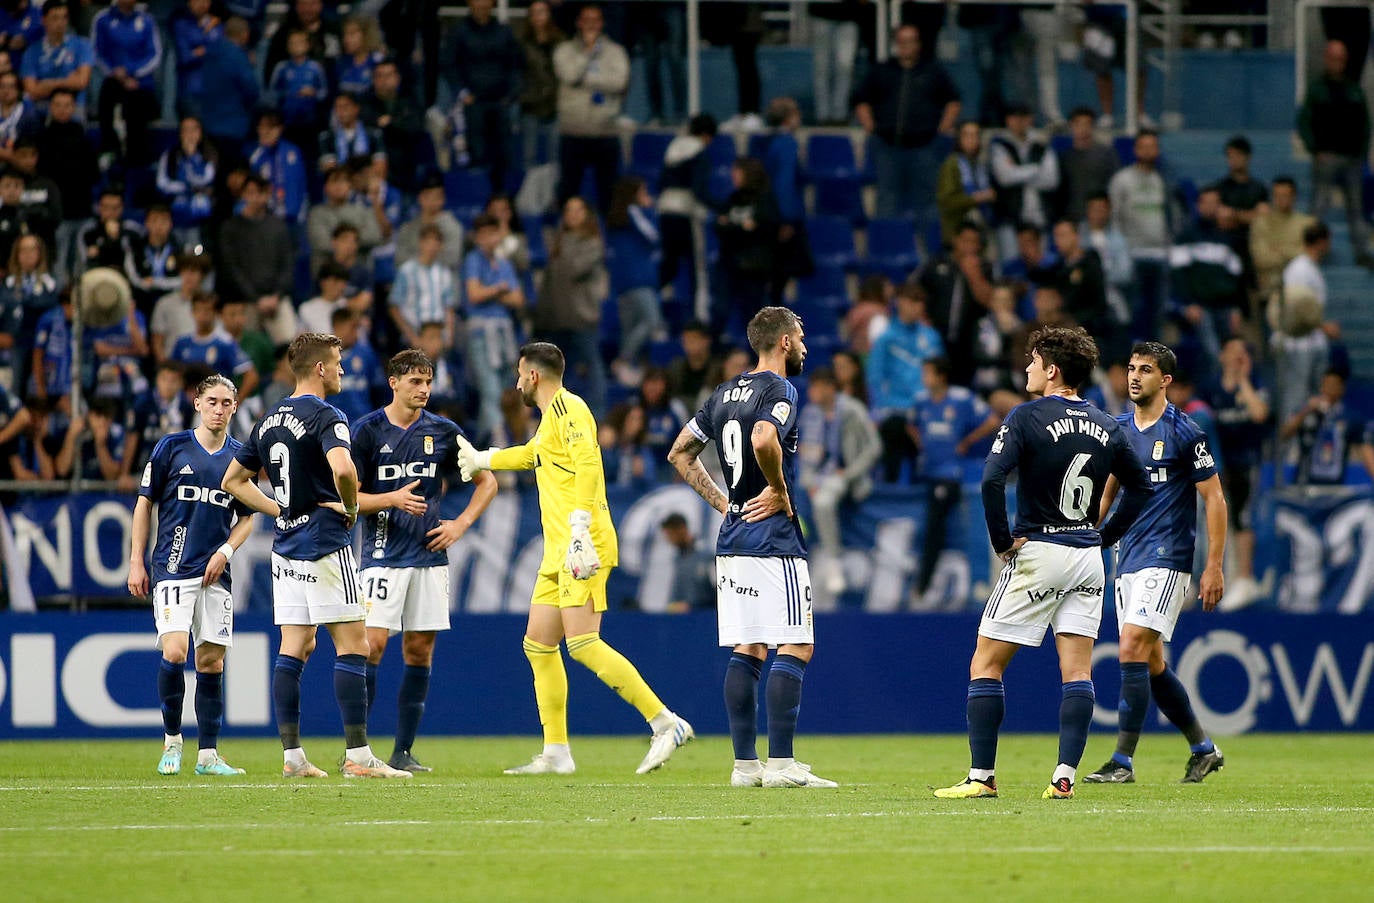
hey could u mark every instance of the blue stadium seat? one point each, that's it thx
(821, 316)
(831, 157)
(826, 282)
(892, 248)
(832, 242)
(869, 174)
(757, 145)
(1061, 144)
(821, 348)
(1125, 148)
(663, 353)
(840, 197)
(467, 191)
(646, 156)
(534, 237)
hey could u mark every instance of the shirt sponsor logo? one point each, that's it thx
(217, 497)
(412, 470)
(288, 573)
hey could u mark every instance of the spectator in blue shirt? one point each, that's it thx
(364, 377)
(281, 165)
(194, 28)
(227, 111)
(895, 375)
(362, 51)
(492, 292)
(186, 177)
(783, 164)
(17, 116)
(633, 253)
(20, 26)
(301, 90)
(128, 49)
(60, 60)
(949, 421)
(210, 345)
(348, 137)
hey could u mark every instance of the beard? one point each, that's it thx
(527, 396)
(795, 359)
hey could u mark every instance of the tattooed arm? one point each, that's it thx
(686, 457)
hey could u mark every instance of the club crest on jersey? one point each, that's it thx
(429, 445)
(1158, 453)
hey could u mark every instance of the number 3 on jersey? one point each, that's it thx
(280, 455)
(732, 444)
(1076, 492)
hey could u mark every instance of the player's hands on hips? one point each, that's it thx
(583, 561)
(138, 579)
(215, 569)
(446, 534)
(470, 460)
(1212, 587)
(406, 500)
(1016, 545)
(350, 517)
(765, 505)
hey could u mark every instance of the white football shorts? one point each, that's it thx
(206, 613)
(406, 598)
(1046, 585)
(1152, 598)
(763, 600)
(323, 591)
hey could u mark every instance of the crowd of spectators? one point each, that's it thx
(308, 184)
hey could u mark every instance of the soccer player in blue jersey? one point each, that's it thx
(580, 549)
(197, 535)
(403, 454)
(1063, 450)
(303, 442)
(763, 582)
(1155, 563)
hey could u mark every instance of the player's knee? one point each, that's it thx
(1136, 646)
(176, 654)
(803, 651)
(210, 659)
(417, 649)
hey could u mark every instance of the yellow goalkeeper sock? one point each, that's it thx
(550, 689)
(615, 672)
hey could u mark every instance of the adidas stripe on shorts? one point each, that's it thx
(1152, 598)
(763, 600)
(1046, 585)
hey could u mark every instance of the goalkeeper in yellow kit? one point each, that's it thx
(579, 552)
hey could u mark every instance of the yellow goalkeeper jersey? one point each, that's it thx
(566, 461)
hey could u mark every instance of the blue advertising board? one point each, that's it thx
(64, 675)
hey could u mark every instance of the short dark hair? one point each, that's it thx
(546, 356)
(697, 326)
(1069, 348)
(1161, 354)
(1285, 180)
(309, 349)
(1317, 232)
(768, 327)
(702, 125)
(824, 375)
(1098, 196)
(159, 207)
(1082, 111)
(408, 360)
(51, 5)
(339, 171)
(1146, 133)
(673, 521)
(1240, 143)
(172, 366)
(343, 229)
(271, 115)
(350, 96)
(940, 364)
(257, 182)
(430, 230)
(341, 315)
(485, 221)
(332, 269)
(1028, 226)
(199, 262)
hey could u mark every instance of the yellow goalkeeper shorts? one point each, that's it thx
(562, 591)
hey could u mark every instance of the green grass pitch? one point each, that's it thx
(1290, 818)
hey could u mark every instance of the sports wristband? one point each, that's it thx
(227, 551)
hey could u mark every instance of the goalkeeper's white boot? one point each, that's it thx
(665, 742)
(547, 762)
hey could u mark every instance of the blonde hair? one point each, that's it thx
(13, 262)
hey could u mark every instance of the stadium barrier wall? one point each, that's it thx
(1315, 551)
(85, 676)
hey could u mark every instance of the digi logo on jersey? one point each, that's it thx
(217, 497)
(413, 470)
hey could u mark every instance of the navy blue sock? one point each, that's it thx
(286, 699)
(1131, 711)
(371, 685)
(171, 689)
(350, 692)
(1075, 717)
(742, 703)
(987, 704)
(410, 705)
(783, 697)
(209, 708)
(1173, 701)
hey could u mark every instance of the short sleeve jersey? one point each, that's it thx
(1176, 455)
(292, 441)
(389, 457)
(1063, 451)
(728, 419)
(943, 425)
(194, 515)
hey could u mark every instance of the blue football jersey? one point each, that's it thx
(1063, 451)
(943, 425)
(389, 457)
(1176, 456)
(728, 419)
(291, 441)
(194, 515)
